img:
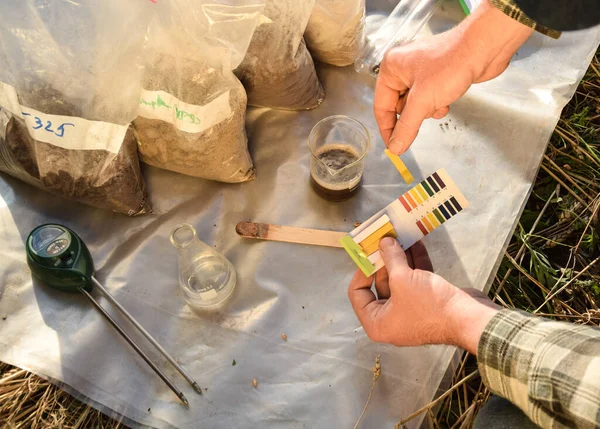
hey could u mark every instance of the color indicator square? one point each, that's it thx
(444, 212)
(438, 179)
(456, 205)
(450, 208)
(433, 185)
(422, 192)
(427, 188)
(429, 226)
(405, 203)
(416, 196)
(422, 228)
(439, 216)
(410, 200)
(433, 220)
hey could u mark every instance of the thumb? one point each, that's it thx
(393, 256)
(407, 127)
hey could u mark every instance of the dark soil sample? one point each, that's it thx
(94, 177)
(278, 70)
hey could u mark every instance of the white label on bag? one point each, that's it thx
(186, 117)
(68, 132)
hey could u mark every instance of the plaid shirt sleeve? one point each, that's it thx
(509, 7)
(549, 369)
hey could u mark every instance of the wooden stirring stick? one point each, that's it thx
(289, 234)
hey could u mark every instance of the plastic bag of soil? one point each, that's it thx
(70, 79)
(192, 111)
(336, 31)
(278, 70)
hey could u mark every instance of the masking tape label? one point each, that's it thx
(68, 132)
(185, 117)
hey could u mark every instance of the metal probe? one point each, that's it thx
(146, 334)
(132, 343)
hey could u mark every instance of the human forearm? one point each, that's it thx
(551, 370)
(467, 314)
(492, 38)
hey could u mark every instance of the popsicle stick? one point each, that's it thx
(289, 234)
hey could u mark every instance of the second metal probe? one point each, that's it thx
(132, 343)
(146, 334)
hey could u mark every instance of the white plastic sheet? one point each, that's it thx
(491, 144)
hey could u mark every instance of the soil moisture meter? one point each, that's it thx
(61, 260)
(58, 258)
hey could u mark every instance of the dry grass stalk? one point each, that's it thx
(376, 374)
(27, 401)
(436, 401)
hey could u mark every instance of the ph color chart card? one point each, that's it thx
(415, 214)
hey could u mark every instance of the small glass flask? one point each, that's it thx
(206, 276)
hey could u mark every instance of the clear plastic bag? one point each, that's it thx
(400, 28)
(192, 110)
(336, 31)
(278, 70)
(70, 79)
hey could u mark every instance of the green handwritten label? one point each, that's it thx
(155, 104)
(180, 115)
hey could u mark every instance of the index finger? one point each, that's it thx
(388, 90)
(384, 107)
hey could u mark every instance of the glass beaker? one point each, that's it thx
(338, 146)
(206, 277)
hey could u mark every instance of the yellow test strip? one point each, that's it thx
(374, 246)
(400, 166)
(377, 235)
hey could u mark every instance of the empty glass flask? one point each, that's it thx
(206, 276)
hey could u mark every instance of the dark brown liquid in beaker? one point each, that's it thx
(340, 186)
(334, 194)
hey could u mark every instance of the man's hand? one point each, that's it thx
(415, 306)
(420, 80)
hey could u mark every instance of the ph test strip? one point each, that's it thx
(415, 214)
(400, 166)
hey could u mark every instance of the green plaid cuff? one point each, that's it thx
(550, 370)
(509, 8)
